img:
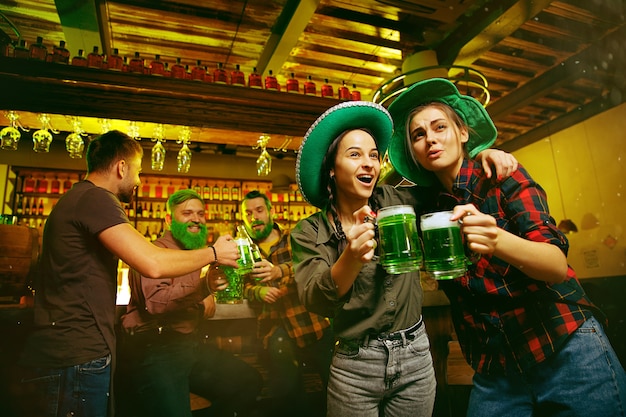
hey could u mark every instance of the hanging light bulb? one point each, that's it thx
(74, 142)
(42, 138)
(157, 159)
(264, 161)
(10, 135)
(133, 130)
(184, 155)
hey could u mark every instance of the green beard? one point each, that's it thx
(261, 234)
(187, 239)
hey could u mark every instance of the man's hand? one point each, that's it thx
(264, 271)
(227, 251)
(216, 279)
(271, 294)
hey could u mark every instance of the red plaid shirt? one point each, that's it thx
(288, 312)
(503, 318)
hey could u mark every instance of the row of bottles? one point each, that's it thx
(42, 185)
(198, 72)
(30, 207)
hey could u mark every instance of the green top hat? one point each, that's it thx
(332, 123)
(482, 132)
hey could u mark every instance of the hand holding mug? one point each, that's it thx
(480, 230)
(360, 237)
(226, 250)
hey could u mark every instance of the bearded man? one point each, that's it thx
(292, 337)
(166, 355)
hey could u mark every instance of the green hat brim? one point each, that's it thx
(482, 132)
(332, 123)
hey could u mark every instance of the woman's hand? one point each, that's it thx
(480, 230)
(361, 243)
(504, 163)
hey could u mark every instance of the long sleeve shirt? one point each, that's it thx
(288, 312)
(378, 302)
(168, 303)
(503, 318)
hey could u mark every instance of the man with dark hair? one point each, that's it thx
(69, 357)
(292, 337)
(167, 357)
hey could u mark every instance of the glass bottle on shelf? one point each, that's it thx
(197, 188)
(38, 50)
(166, 70)
(19, 206)
(327, 89)
(67, 184)
(343, 93)
(198, 72)
(255, 80)
(271, 83)
(80, 60)
(60, 54)
(178, 70)
(225, 192)
(115, 62)
(237, 77)
(40, 208)
(42, 185)
(310, 89)
(94, 59)
(26, 208)
(21, 50)
(293, 86)
(136, 64)
(29, 185)
(234, 193)
(171, 189)
(206, 191)
(158, 190)
(157, 212)
(219, 74)
(139, 210)
(156, 66)
(216, 192)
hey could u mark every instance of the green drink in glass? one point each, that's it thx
(399, 240)
(233, 294)
(444, 253)
(246, 261)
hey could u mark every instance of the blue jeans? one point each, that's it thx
(382, 378)
(583, 379)
(79, 390)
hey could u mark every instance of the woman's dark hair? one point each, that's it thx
(328, 182)
(110, 147)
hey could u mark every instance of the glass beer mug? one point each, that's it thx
(444, 251)
(399, 240)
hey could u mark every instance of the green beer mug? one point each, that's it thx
(444, 252)
(399, 240)
(233, 294)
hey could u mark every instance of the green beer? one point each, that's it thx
(245, 262)
(233, 294)
(444, 254)
(399, 247)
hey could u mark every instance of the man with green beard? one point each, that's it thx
(167, 357)
(292, 337)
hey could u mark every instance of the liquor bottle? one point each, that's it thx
(171, 189)
(29, 185)
(94, 59)
(158, 190)
(206, 191)
(147, 213)
(197, 188)
(67, 184)
(219, 74)
(80, 60)
(225, 193)
(178, 70)
(157, 212)
(234, 193)
(343, 93)
(38, 50)
(271, 83)
(26, 209)
(115, 62)
(145, 189)
(216, 192)
(254, 79)
(39, 208)
(356, 94)
(131, 209)
(60, 54)
(21, 51)
(42, 185)
(237, 77)
(156, 66)
(139, 210)
(293, 86)
(19, 208)
(310, 88)
(136, 64)
(327, 89)
(198, 72)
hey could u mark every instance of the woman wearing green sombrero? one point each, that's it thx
(522, 318)
(382, 364)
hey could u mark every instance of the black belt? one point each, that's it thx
(409, 334)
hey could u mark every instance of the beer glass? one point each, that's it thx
(399, 240)
(233, 294)
(444, 253)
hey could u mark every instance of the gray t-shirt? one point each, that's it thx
(76, 282)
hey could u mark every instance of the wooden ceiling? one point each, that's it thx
(548, 64)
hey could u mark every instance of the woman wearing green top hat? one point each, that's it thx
(522, 318)
(382, 365)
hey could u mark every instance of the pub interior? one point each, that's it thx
(552, 80)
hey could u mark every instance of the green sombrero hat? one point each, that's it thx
(482, 133)
(332, 123)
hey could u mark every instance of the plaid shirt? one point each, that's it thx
(503, 318)
(288, 312)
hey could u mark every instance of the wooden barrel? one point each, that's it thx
(19, 250)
